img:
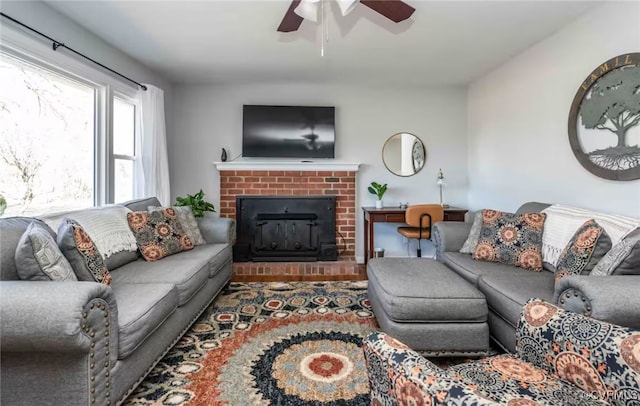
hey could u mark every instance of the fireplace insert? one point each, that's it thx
(285, 228)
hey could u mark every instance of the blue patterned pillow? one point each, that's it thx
(511, 239)
(82, 253)
(587, 246)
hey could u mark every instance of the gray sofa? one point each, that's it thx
(507, 288)
(83, 343)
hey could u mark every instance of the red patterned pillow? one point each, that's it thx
(82, 253)
(158, 233)
(587, 246)
(511, 239)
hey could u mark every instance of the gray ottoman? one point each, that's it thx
(428, 306)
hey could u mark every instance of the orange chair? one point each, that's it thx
(420, 218)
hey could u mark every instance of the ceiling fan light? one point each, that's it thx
(308, 9)
(347, 6)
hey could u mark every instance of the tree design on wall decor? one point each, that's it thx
(604, 122)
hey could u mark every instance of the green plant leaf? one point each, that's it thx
(377, 189)
(197, 203)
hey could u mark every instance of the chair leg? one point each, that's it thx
(419, 252)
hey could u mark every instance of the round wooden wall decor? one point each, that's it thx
(604, 121)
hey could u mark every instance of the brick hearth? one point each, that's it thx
(342, 184)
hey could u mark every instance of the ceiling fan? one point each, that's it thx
(394, 10)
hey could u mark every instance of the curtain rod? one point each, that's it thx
(58, 44)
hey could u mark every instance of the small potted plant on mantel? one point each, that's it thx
(378, 190)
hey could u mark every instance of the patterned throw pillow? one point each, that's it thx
(469, 246)
(158, 233)
(587, 246)
(82, 253)
(188, 223)
(38, 257)
(511, 239)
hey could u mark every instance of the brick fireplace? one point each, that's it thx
(237, 179)
(285, 229)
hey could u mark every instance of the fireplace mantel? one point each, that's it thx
(297, 165)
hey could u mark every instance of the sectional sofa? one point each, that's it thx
(615, 298)
(84, 343)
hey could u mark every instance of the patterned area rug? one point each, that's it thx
(294, 343)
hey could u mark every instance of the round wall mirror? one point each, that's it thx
(404, 154)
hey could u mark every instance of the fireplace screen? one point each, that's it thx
(292, 228)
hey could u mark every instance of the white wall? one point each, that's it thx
(518, 143)
(208, 118)
(61, 28)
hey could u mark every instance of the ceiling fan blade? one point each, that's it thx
(394, 10)
(291, 21)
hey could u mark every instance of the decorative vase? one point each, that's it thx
(223, 156)
(379, 204)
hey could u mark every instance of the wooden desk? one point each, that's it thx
(395, 215)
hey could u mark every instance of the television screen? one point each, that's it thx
(288, 132)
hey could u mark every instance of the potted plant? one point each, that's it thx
(197, 203)
(378, 190)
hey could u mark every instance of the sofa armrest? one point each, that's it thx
(615, 299)
(217, 229)
(57, 316)
(449, 236)
(74, 321)
(400, 376)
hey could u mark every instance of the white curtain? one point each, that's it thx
(152, 170)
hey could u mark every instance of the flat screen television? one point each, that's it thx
(288, 131)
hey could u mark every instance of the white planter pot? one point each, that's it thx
(379, 204)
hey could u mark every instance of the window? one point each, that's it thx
(124, 149)
(60, 146)
(47, 140)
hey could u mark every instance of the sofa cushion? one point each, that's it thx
(471, 270)
(120, 258)
(622, 259)
(142, 308)
(158, 233)
(507, 294)
(563, 221)
(469, 246)
(188, 223)
(219, 254)
(188, 271)
(11, 230)
(587, 246)
(82, 253)
(511, 239)
(38, 257)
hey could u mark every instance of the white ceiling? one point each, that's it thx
(223, 41)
